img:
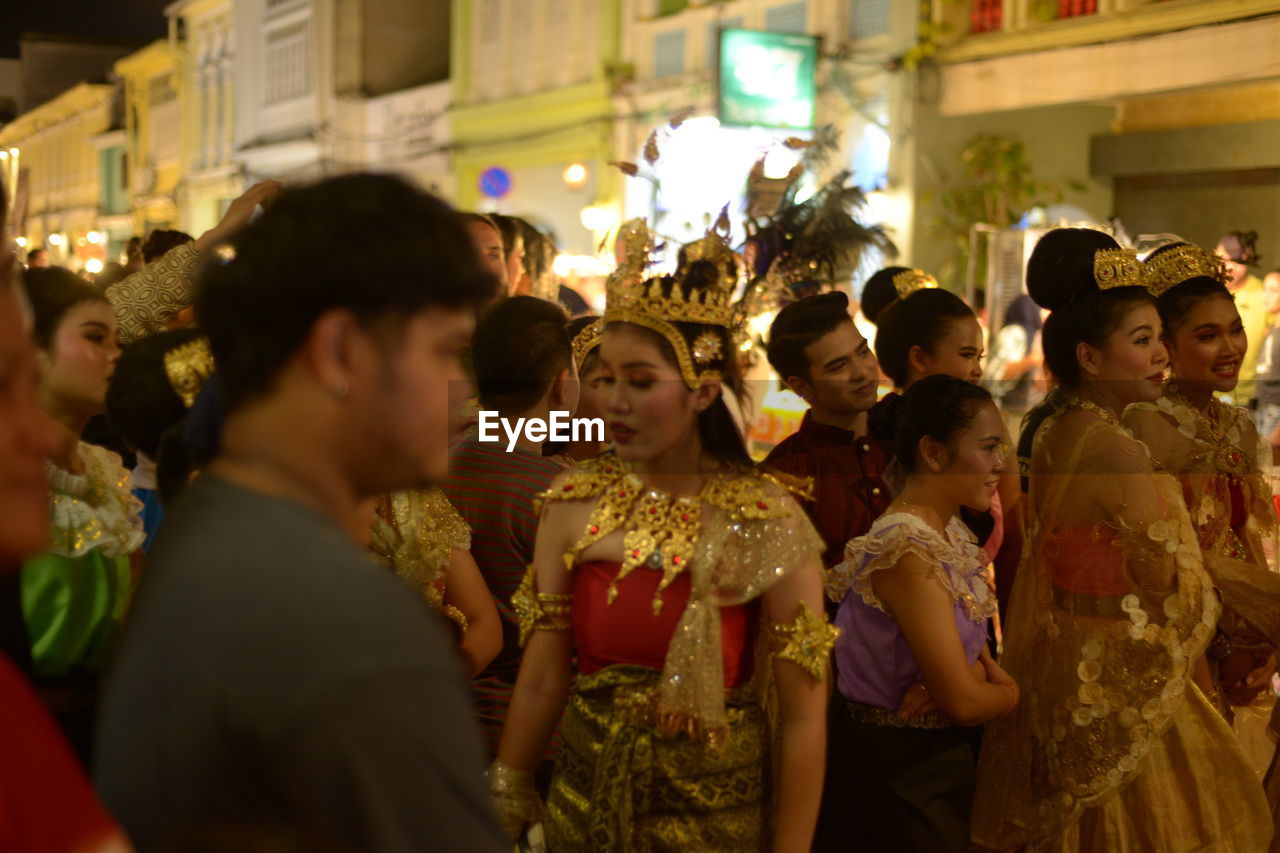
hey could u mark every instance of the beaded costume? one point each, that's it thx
(1225, 477)
(671, 719)
(416, 532)
(666, 742)
(1113, 746)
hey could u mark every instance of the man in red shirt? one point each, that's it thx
(819, 353)
(46, 802)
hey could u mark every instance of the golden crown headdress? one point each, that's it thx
(187, 367)
(1169, 268)
(587, 339)
(908, 282)
(658, 302)
(1117, 268)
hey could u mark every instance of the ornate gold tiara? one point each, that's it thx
(632, 298)
(908, 282)
(1170, 268)
(1117, 268)
(187, 367)
(587, 339)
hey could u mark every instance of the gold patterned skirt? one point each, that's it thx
(620, 786)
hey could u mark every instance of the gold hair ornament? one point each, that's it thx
(1169, 269)
(187, 367)
(632, 298)
(587, 339)
(1117, 268)
(908, 282)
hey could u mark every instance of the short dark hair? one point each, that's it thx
(473, 218)
(309, 253)
(161, 241)
(508, 229)
(141, 402)
(800, 324)
(36, 251)
(518, 348)
(921, 320)
(52, 292)
(937, 406)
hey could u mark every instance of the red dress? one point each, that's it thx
(628, 632)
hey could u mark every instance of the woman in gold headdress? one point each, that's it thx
(1224, 469)
(689, 587)
(1114, 746)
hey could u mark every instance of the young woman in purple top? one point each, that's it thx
(914, 673)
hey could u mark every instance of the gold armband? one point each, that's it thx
(540, 611)
(806, 642)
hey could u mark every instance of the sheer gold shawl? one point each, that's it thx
(1208, 453)
(1101, 644)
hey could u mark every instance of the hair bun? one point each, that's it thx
(1060, 268)
(883, 417)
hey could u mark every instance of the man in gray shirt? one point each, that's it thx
(273, 685)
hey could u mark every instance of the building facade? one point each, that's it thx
(202, 36)
(1164, 111)
(533, 113)
(49, 151)
(309, 76)
(153, 106)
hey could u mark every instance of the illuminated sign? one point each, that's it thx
(768, 79)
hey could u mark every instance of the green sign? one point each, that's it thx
(768, 79)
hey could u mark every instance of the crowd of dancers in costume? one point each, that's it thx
(654, 641)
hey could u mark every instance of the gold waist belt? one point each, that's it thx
(877, 716)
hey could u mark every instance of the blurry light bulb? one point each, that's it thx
(575, 175)
(94, 237)
(22, 242)
(55, 239)
(93, 265)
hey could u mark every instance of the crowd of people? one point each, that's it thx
(1026, 606)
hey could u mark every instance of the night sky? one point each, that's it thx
(138, 21)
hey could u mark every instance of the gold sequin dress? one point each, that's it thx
(666, 742)
(416, 532)
(1113, 747)
(1224, 471)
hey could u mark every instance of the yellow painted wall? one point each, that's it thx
(54, 148)
(1225, 105)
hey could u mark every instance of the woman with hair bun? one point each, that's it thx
(1115, 747)
(928, 331)
(1224, 469)
(914, 674)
